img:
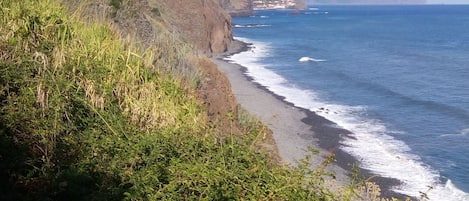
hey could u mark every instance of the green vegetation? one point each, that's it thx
(86, 115)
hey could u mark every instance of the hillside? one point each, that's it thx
(116, 100)
(278, 4)
(377, 2)
(203, 23)
(246, 7)
(237, 7)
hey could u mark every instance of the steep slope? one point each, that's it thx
(208, 27)
(176, 27)
(202, 22)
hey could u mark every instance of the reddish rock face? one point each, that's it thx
(203, 22)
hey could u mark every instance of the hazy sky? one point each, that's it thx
(448, 1)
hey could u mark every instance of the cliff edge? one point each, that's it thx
(176, 27)
(203, 23)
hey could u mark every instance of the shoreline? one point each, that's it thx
(295, 129)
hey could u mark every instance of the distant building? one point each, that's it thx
(274, 4)
(377, 2)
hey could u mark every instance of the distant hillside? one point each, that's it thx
(382, 2)
(237, 7)
(246, 7)
(278, 4)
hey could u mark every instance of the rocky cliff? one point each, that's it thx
(203, 22)
(171, 26)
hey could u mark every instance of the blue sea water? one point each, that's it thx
(397, 77)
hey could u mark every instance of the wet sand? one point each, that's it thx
(294, 129)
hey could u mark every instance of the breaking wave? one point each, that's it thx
(306, 59)
(250, 25)
(370, 142)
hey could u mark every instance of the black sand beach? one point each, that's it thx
(295, 129)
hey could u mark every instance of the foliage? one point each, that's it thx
(85, 115)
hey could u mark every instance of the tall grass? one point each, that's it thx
(87, 115)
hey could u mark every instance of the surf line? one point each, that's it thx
(307, 59)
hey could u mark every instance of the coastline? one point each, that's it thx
(290, 125)
(295, 129)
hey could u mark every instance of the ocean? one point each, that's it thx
(397, 77)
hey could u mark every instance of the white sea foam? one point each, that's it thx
(306, 59)
(259, 16)
(250, 25)
(465, 131)
(371, 144)
(462, 133)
